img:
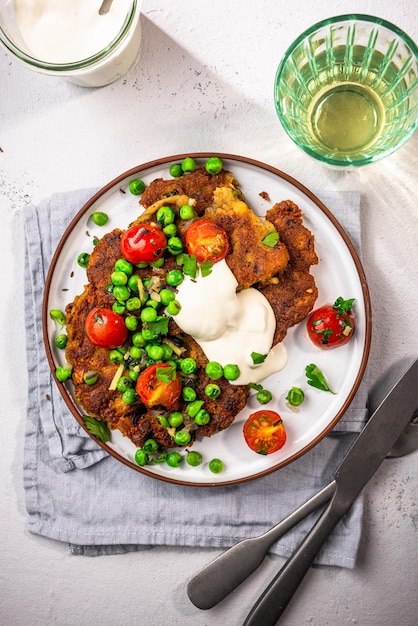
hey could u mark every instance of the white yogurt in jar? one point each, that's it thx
(64, 32)
(229, 325)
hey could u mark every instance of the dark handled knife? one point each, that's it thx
(358, 466)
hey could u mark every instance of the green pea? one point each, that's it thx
(124, 383)
(155, 352)
(118, 278)
(142, 265)
(295, 396)
(174, 245)
(61, 341)
(231, 372)
(99, 218)
(202, 418)
(182, 437)
(122, 265)
(133, 375)
(152, 303)
(83, 259)
(150, 446)
(264, 396)
(63, 372)
(58, 316)
(167, 351)
(160, 458)
(118, 307)
(214, 165)
(116, 356)
(136, 187)
(148, 314)
(170, 230)
(165, 215)
(188, 164)
(141, 457)
(188, 394)
(174, 278)
(173, 308)
(174, 459)
(135, 352)
(216, 466)
(176, 170)
(212, 390)
(91, 377)
(133, 304)
(148, 335)
(158, 263)
(167, 296)
(175, 419)
(163, 421)
(194, 407)
(121, 293)
(187, 212)
(188, 365)
(133, 283)
(138, 340)
(129, 396)
(194, 458)
(214, 370)
(131, 322)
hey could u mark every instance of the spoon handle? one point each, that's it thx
(232, 567)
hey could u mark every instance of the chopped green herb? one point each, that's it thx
(255, 386)
(159, 326)
(98, 428)
(316, 378)
(206, 268)
(166, 374)
(343, 306)
(189, 264)
(258, 358)
(271, 239)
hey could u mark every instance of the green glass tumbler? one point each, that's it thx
(346, 90)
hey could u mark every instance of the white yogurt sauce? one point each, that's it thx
(229, 326)
(67, 31)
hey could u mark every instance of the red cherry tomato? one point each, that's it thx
(264, 432)
(332, 325)
(207, 241)
(105, 328)
(143, 243)
(159, 386)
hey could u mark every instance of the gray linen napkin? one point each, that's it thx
(78, 494)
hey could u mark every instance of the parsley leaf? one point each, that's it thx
(160, 326)
(271, 239)
(166, 374)
(98, 428)
(189, 264)
(316, 378)
(206, 268)
(255, 386)
(258, 358)
(343, 306)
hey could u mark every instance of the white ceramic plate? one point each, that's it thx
(339, 273)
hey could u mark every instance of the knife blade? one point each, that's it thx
(356, 469)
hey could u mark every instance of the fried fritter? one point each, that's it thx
(280, 272)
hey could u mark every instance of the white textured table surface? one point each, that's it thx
(204, 81)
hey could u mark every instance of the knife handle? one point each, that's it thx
(272, 603)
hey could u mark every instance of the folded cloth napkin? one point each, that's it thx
(78, 494)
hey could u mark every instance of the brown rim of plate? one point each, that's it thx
(360, 271)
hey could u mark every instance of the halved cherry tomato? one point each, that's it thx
(143, 243)
(332, 325)
(264, 432)
(207, 241)
(159, 386)
(105, 328)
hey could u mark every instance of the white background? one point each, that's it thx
(203, 81)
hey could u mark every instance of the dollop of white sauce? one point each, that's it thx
(230, 325)
(67, 31)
